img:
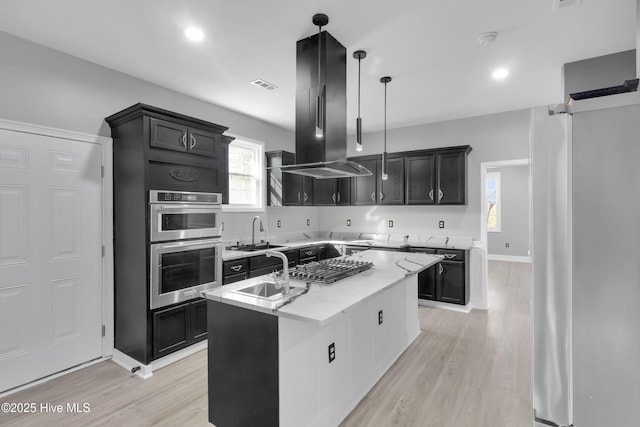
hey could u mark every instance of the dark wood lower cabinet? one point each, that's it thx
(448, 281)
(452, 282)
(179, 326)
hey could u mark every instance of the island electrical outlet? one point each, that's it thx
(279, 223)
(332, 352)
(440, 224)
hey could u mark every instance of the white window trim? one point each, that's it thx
(498, 227)
(260, 207)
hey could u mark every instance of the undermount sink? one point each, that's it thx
(255, 247)
(266, 290)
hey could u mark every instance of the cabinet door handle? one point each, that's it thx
(333, 197)
(298, 196)
(441, 269)
(305, 196)
(236, 268)
(308, 253)
(381, 196)
(373, 196)
(338, 197)
(192, 142)
(183, 140)
(431, 194)
(449, 256)
(440, 194)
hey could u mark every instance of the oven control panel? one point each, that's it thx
(160, 196)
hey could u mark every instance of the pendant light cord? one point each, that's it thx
(319, 54)
(385, 117)
(359, 87)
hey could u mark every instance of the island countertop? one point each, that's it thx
(323, 302)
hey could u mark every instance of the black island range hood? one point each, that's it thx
(325, 156)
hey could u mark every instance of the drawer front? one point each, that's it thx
(451, 254)
(292, 256)
(234, 267)
(234, 278)
(262, 261)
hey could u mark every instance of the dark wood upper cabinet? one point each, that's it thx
(437, 176)
(451, 168)
(372, 189)
(173, 136)
(391, 190)
(365, 188)
(287, 189)
(421, 179)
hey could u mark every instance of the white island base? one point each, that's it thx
(284, 369)
(316, 392)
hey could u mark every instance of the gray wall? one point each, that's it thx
(46, 87)
(495, 137)
(600, 72)
(514, 200)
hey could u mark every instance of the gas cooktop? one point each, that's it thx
(328, 270)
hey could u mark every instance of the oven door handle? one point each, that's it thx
(190, 207)
(194, 245)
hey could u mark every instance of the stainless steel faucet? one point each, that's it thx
(253, 229)
(285, 269)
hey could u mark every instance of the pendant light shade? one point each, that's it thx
(359, 55)
(320, 20)
(385, 161)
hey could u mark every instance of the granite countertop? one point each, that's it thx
(367, 240)
(323, 302)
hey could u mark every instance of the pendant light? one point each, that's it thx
(359, 55)
(385, 80)
(320, 20)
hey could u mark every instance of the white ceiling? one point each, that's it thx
(429, 48)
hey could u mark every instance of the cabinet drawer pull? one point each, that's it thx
(236, 268)
(298, 196)
(373, 196)
(308, 253)
(305, 196)
(192, 142)
(431, 194)
(449, 256)
(338, 197)
(441, 269)
(183, 140)
(333, 197)
(440, 194)
(381, 196)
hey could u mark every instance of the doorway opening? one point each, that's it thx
(505, 215)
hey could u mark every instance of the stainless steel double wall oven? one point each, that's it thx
(185, 245)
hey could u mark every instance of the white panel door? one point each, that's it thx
(50, 255)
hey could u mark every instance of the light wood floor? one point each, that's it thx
(463, 370)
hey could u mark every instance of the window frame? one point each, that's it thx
(241, 141)
(498, 227)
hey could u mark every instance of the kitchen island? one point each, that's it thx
(310, 361)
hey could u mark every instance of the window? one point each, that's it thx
(246, 175)
(493, 201)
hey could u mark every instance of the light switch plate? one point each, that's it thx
(440, 224)
(348, 223)
(390, 223)
(279, 223)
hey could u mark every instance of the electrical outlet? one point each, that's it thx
(506, 245)
(440, 224)
(390, 223)
(348, 223)
(380, 317)
(308, 221)
(332, 352)
(279, 223)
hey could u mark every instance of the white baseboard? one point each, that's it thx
(146, 371)
(445, 305)
(50, 377)
(509, 258)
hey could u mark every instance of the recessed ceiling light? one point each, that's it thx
(194, 34)
(500, 73)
